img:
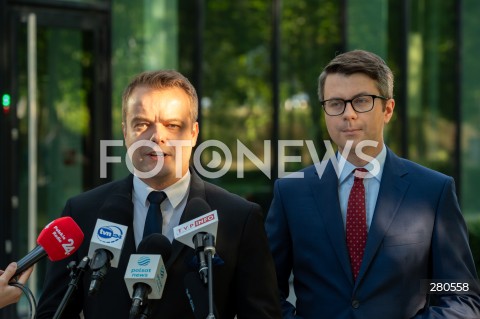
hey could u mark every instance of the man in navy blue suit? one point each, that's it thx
(365, 233)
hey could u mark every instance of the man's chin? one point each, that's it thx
(149, 172)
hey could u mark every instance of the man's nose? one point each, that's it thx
(158, 134)
(349, 110)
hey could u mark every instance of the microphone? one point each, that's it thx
(192, 232)
(195, 207)
(199, 233)
(108, 238)
(207, 223)
(58, 240)
(146, 273)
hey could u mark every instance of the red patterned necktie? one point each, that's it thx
(356, 222)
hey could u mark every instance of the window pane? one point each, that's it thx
(236, 103)
(311, 36)
(470, 118)
(367, 26)
(144, 37)
(431, 95)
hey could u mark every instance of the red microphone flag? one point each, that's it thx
(61, 238)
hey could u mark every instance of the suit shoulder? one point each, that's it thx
(296, 178)
(423, 172)
(220, 196)
(97, 195)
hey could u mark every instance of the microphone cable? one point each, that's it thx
(30, 297)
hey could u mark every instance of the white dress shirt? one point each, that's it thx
(371, 183)
(172, 207)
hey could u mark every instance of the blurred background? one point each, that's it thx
(255, 63)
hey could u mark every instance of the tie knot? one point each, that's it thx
(156, 197)
(360, 173)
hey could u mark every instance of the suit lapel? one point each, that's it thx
(122, 190)
(325, 192)
(392, 191)
(197, 190)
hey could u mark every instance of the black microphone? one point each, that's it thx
(193, 231)
(146, 273)
(200, 253)
(199, 233)
(108, 238)
(200, 207)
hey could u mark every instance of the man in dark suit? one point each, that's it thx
(161, 108)
(385, 242)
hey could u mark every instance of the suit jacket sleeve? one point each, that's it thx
(452, 262)
(257, 296)
(281, 248)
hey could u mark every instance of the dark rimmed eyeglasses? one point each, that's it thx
(361, 104)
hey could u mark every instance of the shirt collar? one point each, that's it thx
(349, 167)
(175, 193)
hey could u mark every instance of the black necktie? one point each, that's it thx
(154, 220)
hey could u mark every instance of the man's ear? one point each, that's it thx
(389, 106)
(195, 131)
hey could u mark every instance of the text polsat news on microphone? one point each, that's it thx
(146, 273)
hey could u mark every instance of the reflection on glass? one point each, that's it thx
(470, 118)
(64, 115)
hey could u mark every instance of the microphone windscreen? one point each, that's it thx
(61, 238)
(155, 244)
(196, 207)
(117, 209)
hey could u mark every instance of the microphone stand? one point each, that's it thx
(145, 312)
(100, 265)
(209, 243)
(198, 242)
(138, 305)
(76, 273)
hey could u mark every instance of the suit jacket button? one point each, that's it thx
(355, 303)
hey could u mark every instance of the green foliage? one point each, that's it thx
(237, 82)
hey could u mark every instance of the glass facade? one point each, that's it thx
(62, 124)
(432, 68)
(144, 37)
(236, 94)
(469, 103)
(255, 65)
(52, 68)
(227, 49)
